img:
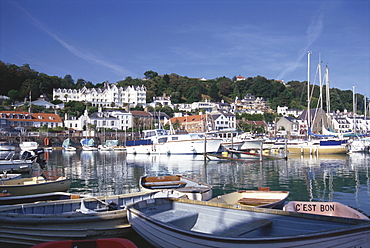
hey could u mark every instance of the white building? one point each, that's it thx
(109, 96)
(109, 119)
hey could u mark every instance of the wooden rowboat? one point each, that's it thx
(325, 208)
(77, 219)
(34, 185)
(97, 243)
(184, 186)
(262, 198)
(176, 222)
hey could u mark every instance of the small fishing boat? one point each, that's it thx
(177, 222)
(78, 219)
(8, 199)
(34, 185)
(325, 208)
(262, 198)
(96, 243)
(22, 164)
(190, 188)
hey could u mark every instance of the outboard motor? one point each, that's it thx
(26, 155)
(39, 154)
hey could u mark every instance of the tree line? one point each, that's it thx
(18, 82)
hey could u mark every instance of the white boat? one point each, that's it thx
(108, 145)
(176, 222)
(22, 164)
(88, 145)
(25, 225)
(262, 198)
(7, 176)
(325, 208)
(158, 141)
(28, 145)
(229, 139)
(359, 145)
(318, 147)
(34, 185)
(184, 186)
(6, 146)
(67, 145)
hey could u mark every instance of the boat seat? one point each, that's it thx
(181, 218)
(256, 201)
(246, 228)
(165, 183)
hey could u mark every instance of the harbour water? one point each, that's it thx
(341, 178)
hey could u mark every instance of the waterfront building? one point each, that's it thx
(110, 96)
(28, 120)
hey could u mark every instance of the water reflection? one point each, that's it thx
(343, 178)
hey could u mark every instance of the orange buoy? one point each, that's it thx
(46, 141)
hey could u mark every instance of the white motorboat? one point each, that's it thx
(158, 141)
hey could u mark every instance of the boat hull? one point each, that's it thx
(182, 147)
(183, 186)
(325, 208)
(186, 223)
(30, 186)
(30, 224)
(297, 149)
(97, 243)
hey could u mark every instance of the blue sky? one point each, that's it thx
(113, 39)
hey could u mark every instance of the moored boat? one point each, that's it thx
(29, 224)
(96, 243)
(22, 164)
(6, 146)
(7, 176)
(52, 196)
(263, 198)
(34, 185)
(190, 188)
(187, 223)
(67, 145)
(28, 145)
(325, 208)
(158, 141)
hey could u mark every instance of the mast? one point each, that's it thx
(308, 89)
(327, 89)
(354, 108)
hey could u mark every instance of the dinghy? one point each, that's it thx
(176, 222)
(262, 198)
(78, 219)
(190, 188)
(34, 185)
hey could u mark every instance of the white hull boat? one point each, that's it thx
(184, 186)
(188, 223)
(162, 143)
(28, 145)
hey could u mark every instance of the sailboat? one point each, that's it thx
(88, 144)
(318, 143)
(67, 145)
